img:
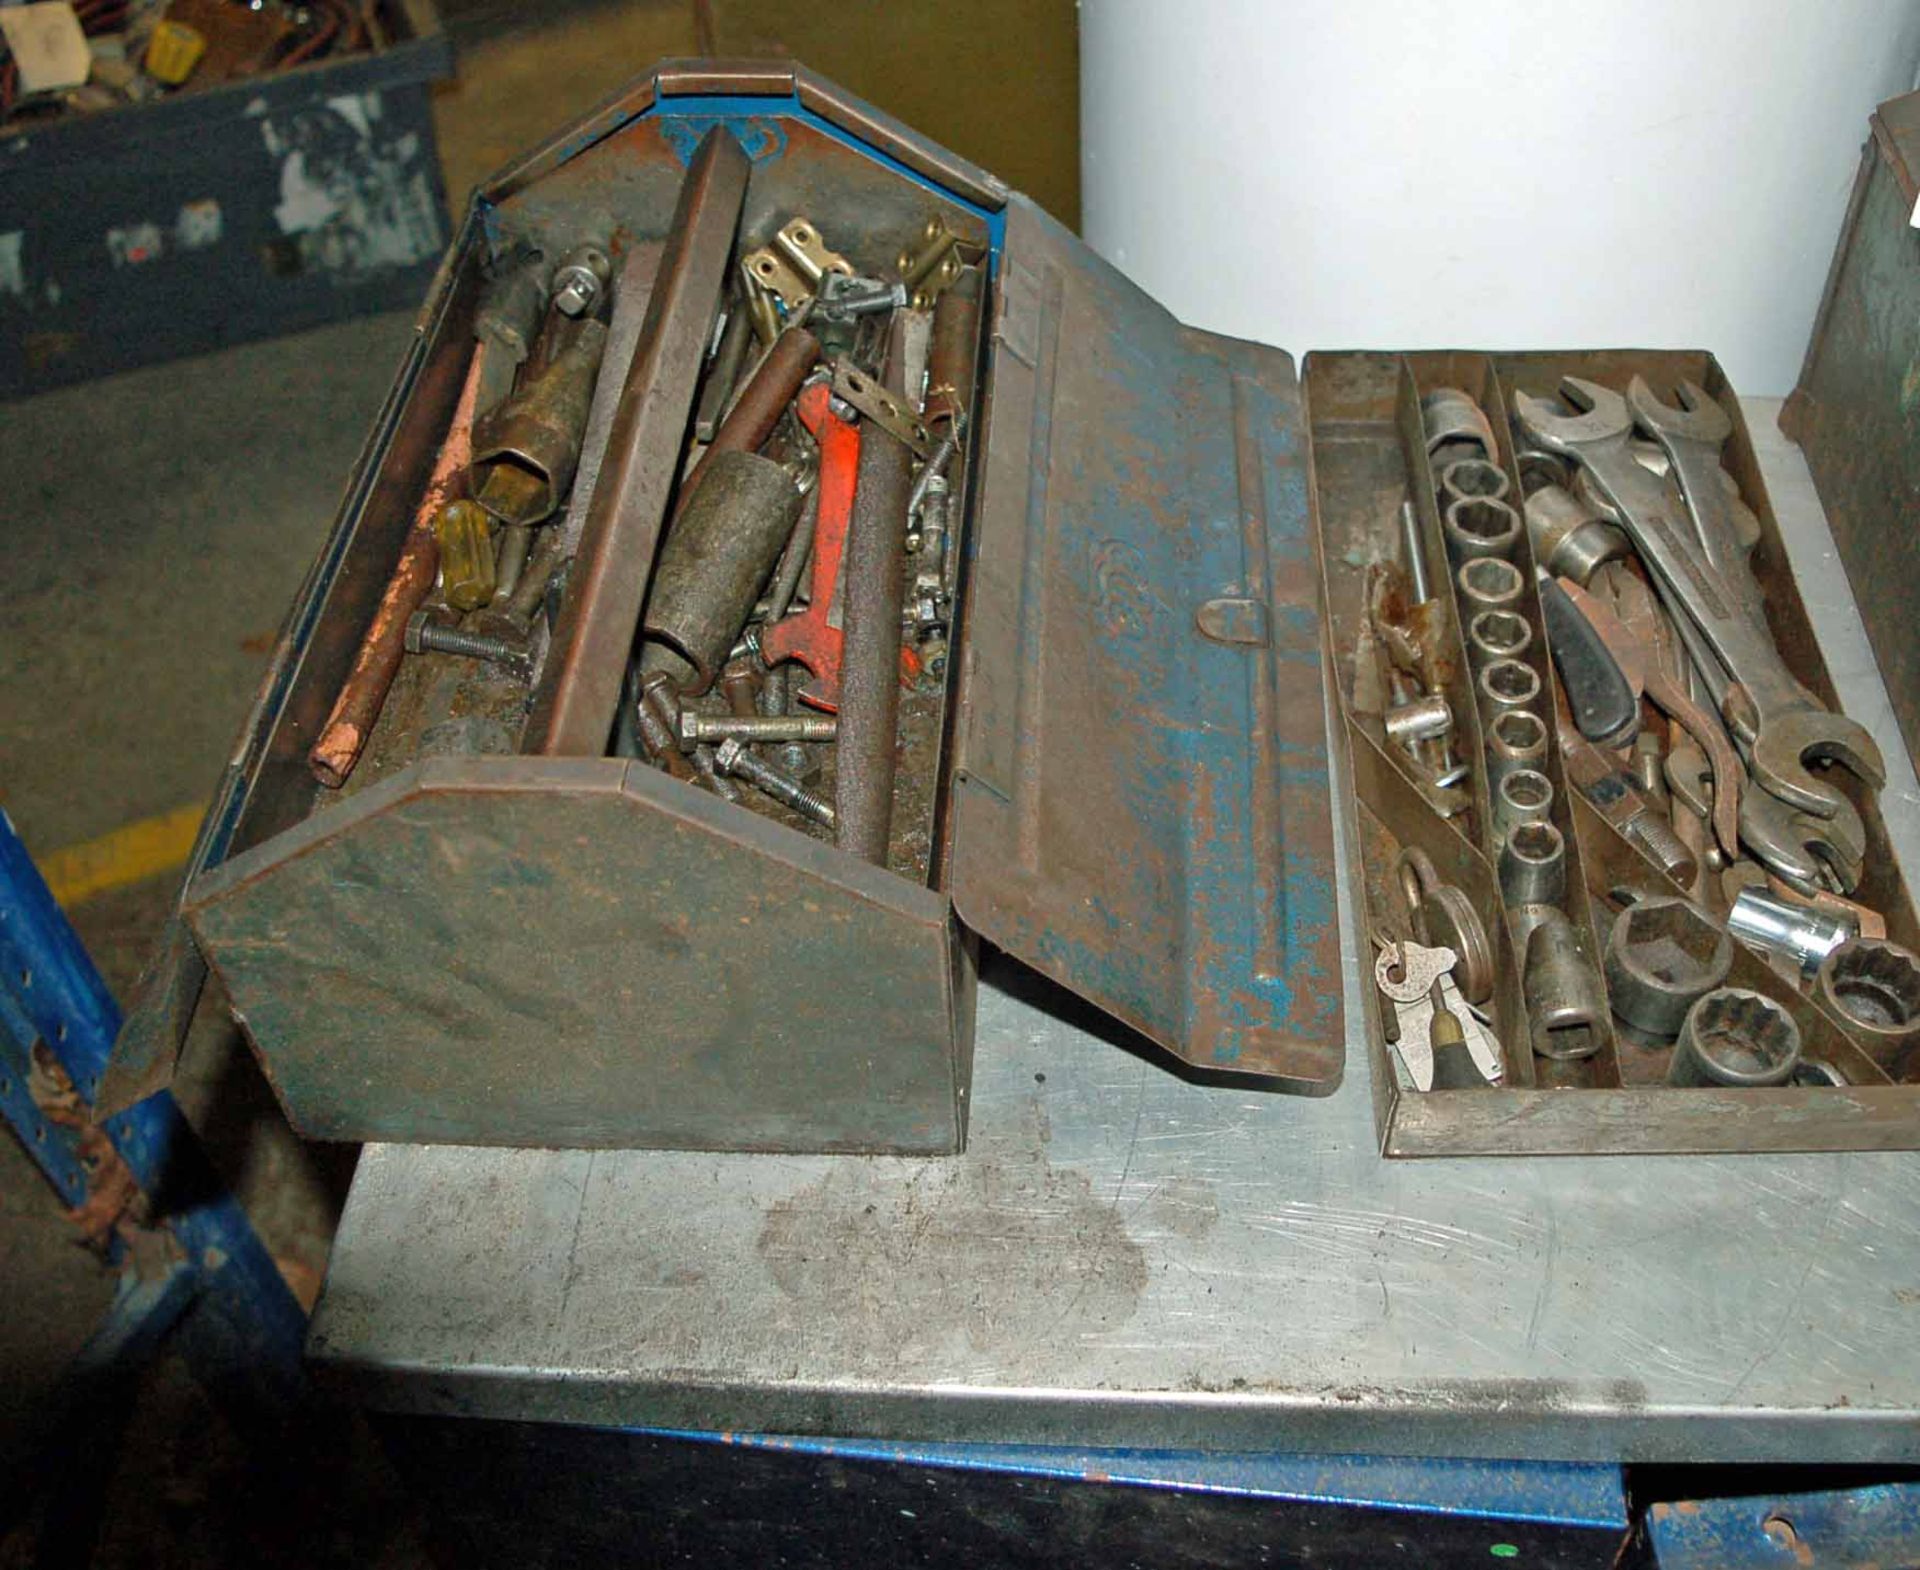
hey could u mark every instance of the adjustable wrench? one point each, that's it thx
(812, 636)
(1784, 724)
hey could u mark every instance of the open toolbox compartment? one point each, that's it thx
(505, 928)
(497, 933)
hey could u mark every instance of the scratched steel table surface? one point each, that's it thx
(1123, 1258)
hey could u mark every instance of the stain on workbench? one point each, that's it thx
(1016, 1240)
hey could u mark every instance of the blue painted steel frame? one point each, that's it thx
(247, 1327)
(738, 111)
(1877, 1526)
(1548, 1493)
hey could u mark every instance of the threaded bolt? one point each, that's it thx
(757, 727)
(935, 468)
(1654, 835)
(733, 758)
(426, 636)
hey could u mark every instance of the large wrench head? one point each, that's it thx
(1603, 416)
(1784, 744)
(1698, 419)
(1805, 852)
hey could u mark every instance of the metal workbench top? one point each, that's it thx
(1125, 1258)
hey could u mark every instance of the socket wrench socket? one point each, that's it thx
(1521, 796)
(1505, 685)
(1874, 986)
(1476, 527)
(1498, 635)
(1663, 955)
(1533, 865)
(1736, 1038)
(1466, 478)
(1566, 1009)
(1569, 539)
(1516, 739)
(1777, 926)
(1489, 584)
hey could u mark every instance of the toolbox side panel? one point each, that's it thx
(584, 953)
(1141, 798)
(1857, 408)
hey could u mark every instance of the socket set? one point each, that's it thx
(1625, 879)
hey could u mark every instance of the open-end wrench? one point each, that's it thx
(1783, 723)
(1692, 436)
(1809, 854)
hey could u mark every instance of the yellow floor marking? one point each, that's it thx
(139, 850)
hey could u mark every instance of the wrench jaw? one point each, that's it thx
(1784, 744)
(1601, 415)
(1811, 855)
(1700, 417)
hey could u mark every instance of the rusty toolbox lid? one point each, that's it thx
(1141, 803)
(1896, 132)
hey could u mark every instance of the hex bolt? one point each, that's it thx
(733, 758)
(757, 727)
(580, 279)
(426, 636)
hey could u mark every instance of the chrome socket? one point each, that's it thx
(1566, 1010)
(1489, 584)
(1498, 635)
(1476, 527)
(1504, 685)
(1466, 478)
(1533, 865)
(1516, 740)
(1521, 796)
(1798, 933)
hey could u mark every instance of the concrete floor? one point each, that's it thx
(158, 524)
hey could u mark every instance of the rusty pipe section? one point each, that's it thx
(579, 692)
(873, 580)
(526, 449)
(344, 737)
(955, 347)
(771, 388)
(738, 514)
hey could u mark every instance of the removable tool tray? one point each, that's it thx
(1368, 456)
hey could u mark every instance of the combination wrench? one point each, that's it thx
(1782, 723)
